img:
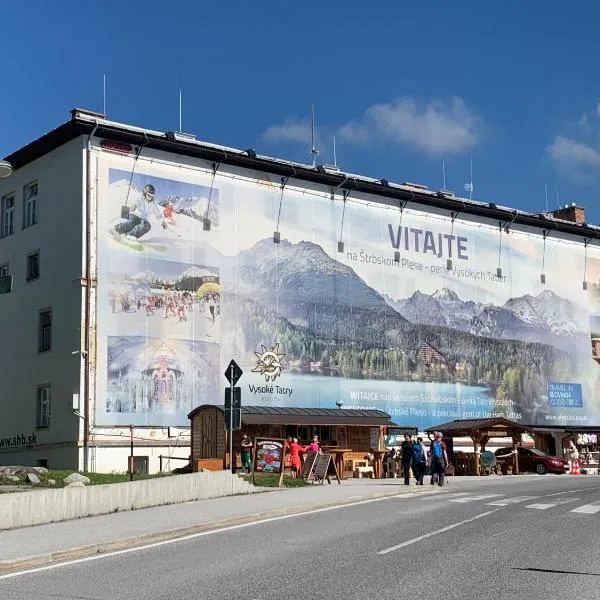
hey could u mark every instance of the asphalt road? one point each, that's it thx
(515, 538)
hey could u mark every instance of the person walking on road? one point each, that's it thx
(439, 459)
(419, 460)
(406, 457)
(246, 454)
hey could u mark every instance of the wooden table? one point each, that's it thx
(338, 458)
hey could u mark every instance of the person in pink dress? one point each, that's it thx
(314, 446)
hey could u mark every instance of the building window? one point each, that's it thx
(45, 331)
(7, 216)
(4, 270)
(30, 194)
(33, 266)
(42, 410)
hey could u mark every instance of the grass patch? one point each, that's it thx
(97, 478)
(268, 480)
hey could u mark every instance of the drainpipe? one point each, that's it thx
(88, 309)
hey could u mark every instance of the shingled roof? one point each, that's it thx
(275, 415)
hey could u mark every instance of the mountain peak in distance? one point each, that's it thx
(446, 295)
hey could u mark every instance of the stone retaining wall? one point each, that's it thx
(51, 505)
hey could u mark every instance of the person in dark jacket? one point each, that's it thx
(406, 457)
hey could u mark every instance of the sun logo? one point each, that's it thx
(268, 362)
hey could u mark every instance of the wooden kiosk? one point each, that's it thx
(481, 431)
(348, 434)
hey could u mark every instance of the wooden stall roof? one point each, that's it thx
(259, 415)
(495, 427)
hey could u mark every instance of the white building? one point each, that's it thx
(120, 247)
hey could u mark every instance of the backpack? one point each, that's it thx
(436, 450)
(418, 453)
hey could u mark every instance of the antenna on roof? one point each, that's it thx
(556, 189)
(180, 112)
(104, 95)
(469, 184)
(546, 192)
(444, 174)
(313, 149)
(334, 153)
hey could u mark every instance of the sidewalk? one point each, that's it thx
(43, 544)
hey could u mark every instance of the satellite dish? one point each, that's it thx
(5, 169)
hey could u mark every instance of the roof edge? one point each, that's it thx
(389, 193)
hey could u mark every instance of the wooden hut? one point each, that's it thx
(481, 431)
(357, 431)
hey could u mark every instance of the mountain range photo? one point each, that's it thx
(330, 322)
(545, 318)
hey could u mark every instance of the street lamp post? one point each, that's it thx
(5, 169)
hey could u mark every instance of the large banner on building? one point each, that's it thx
(189, 277)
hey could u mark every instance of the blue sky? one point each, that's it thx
(402, 85)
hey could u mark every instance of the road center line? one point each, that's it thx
(581, 491)
(437, 532)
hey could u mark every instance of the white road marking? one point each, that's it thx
(475, 498)
(514, 500)
(193, 536)
(546, 505)
(588, 509)
(579, 491)
(446, 496)
(437, 532)
(561, 493)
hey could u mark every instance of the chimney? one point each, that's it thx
(570, 212)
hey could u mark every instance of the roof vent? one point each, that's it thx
(330, 169)
(418, 186)
(180, 136)
(83, 113)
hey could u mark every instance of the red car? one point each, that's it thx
(533, 460)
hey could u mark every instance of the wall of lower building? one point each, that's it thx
(115, 459)
(57, 236)
(54, 456)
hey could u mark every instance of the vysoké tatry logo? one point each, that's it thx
(268, 362)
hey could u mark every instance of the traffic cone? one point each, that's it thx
(575, 468)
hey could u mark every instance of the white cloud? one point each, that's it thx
(293, 129)
(434, 128)
(573, 157)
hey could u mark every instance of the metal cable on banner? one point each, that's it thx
(586, 242)
(284, 181)
(346, 194)
(137, 155)
(501, 226)
(215, 168)
(545, 234)
(401, 206)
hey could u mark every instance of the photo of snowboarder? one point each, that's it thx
(162, 216)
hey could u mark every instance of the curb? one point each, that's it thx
(47, 558)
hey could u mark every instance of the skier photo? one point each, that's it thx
(137, 223)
